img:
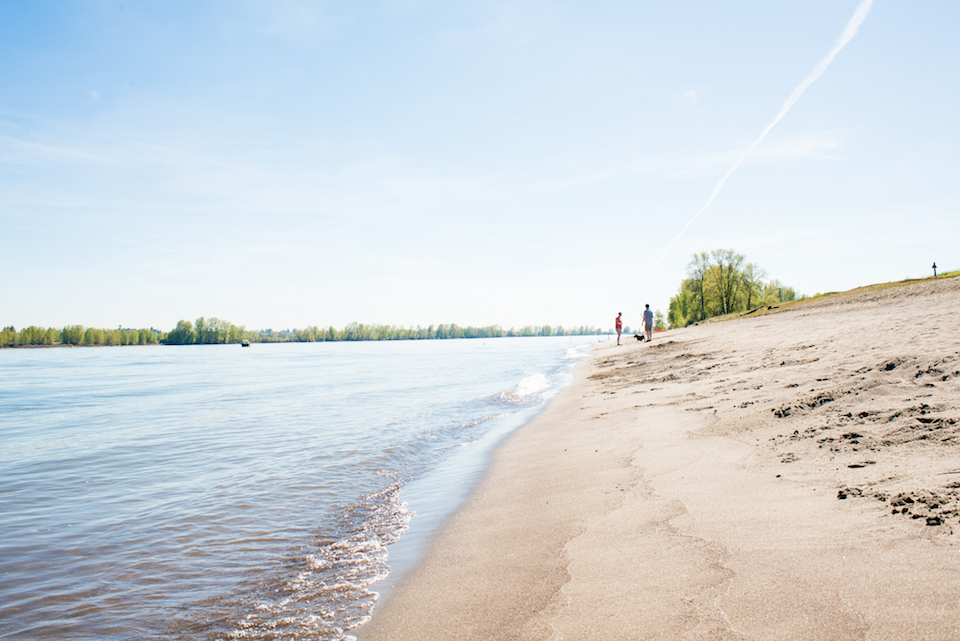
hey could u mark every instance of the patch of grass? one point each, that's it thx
(899, 283)
(790, 304)
(829, 295)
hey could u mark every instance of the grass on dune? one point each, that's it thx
(768, 309)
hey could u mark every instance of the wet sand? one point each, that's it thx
(788, 476)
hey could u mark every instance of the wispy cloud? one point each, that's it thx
(186, 154)
(45, 230)
(25, 152)
(690, 97)
(809, 146)
(799, 147)
(848, 33)
(169, 250)
(294, 21)
(587, 170)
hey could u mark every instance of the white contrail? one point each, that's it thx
(848, 33)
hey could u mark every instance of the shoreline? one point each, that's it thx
(439, 495)
(71, 345)
(787, 476)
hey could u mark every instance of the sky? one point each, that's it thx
(412, 162)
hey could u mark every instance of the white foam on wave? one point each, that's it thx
(575, 353)
(482, 420)
(532, 385)
(331, 592)
(527, 391)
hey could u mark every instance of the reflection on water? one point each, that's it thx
(219, 492)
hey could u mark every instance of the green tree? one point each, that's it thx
(697, 270)
(753, 277)
(727, 278)
(777, 292)
(71, 335)
(217, 331)
(722, 283)
(658, 321)
(182, 334)
(201, 331)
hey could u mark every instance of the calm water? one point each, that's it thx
(217, 492)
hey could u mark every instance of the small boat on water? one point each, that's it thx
(245, 343)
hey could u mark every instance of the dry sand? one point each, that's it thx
(790, 476)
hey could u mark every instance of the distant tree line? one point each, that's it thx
(214, 330)
(77, 335)
(722, 282)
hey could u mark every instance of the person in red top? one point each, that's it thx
(619, 326)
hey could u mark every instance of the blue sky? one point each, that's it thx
(290, 163)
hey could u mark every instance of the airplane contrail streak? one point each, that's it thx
(848, 33)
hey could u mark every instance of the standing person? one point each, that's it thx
(619, 326)
(648, 323)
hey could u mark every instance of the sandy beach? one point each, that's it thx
(787, 476)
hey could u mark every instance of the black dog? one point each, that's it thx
(639, 337)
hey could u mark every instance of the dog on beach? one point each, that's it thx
(639, 337)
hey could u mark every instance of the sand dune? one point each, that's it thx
(789, 476)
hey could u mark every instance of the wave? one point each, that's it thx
(482, 420)
(331, 591)
(527, 391)
(576, 353)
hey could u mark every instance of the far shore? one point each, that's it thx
(791, 475)
(81, 345)
(262, 342)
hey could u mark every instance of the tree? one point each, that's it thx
(216, 331)
(182, 334)
(720, 283)
(697, 270)
(679, 309)
(777, 292)
(727, 278)
(658, 321)
(753, 277)
(201, 332)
